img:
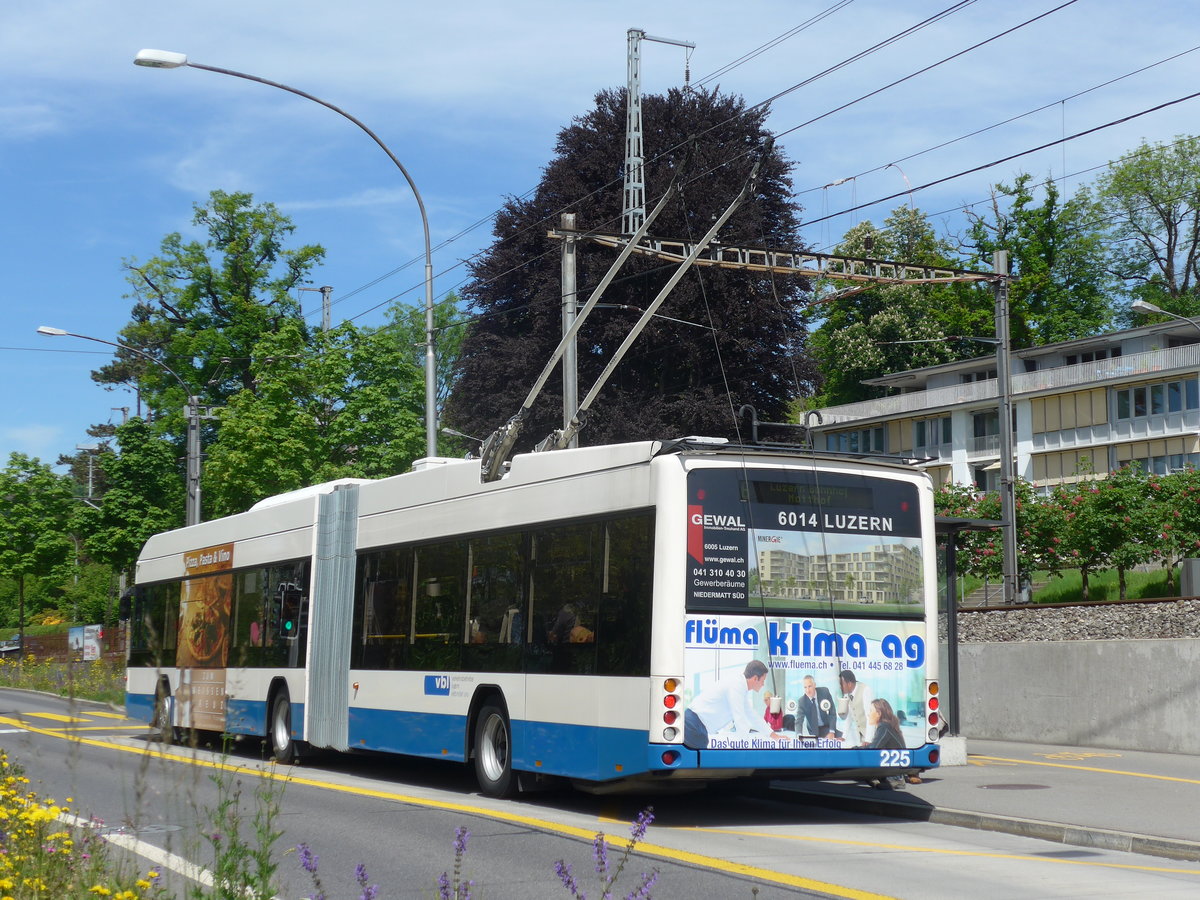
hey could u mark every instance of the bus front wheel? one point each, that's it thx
(493, 752)
(283, 747)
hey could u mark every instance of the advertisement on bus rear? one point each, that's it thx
(755, 682)
(805, 623)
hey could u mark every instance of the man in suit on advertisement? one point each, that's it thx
(816, 710)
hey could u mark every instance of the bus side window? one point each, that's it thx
(383, 609)
(439, 605)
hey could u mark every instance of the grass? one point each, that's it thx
(1104, 586)
(102, 679)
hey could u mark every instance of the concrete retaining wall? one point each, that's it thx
(1124, 695)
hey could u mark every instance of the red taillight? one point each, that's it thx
(670, 716)
(670, 757)
(670, 701)
(933, 718)
(933, 702)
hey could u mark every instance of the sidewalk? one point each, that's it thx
(1114, 799)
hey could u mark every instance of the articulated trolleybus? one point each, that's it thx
(632, 615)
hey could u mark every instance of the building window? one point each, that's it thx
(1165, 465)
(930, 434)
(987, 478)
(862, 440)
(969, 377)
(1074, 359)
(1157, 399)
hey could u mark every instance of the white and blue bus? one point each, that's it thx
(618, 616)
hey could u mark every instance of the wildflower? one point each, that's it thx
(369, 891)
(308, 859)
(100, 890)
(563, 871)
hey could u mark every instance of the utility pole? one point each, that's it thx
(635, 174)
(570, 360)
(325, 304)
(1008, 505)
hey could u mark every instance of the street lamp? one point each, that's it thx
(165, 59)
(192, 411)
(1149, 309)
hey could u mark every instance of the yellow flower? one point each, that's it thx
(142, 884)
(99, 889)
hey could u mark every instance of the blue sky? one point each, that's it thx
(100, 159)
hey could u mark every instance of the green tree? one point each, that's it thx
(348, 402)
(1126, 520)
(1152, 200)
(199, 309)
(894, 328)
(1080, 541)
(36, 513)
(678, 378)
(1174, 507)
(200, 306)
(144, 495)
(1060, 290)
(407, 325)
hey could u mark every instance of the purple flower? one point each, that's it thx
(369, 891)
(308, 859)
(563, 870)
(644, 818)
(643, 891)
(460, 841)
(600, 852)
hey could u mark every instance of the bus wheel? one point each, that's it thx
(493, 753)
(162, 716)
(279, 729)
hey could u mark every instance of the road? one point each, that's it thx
(398, 818)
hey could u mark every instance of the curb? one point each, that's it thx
(1075, 835)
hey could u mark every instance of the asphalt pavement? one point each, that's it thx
(1135, 801)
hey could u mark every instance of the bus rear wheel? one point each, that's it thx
(493, 752)
(279, 729)
(162, 716)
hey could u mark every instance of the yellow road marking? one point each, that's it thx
(874, 845)
(103, 715)
(1078, 755)
(1034, 762)
(696, 859)
(53, 717)
(980, 761)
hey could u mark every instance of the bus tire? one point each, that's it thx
(162, 715)
(493, 752)
(279, 729)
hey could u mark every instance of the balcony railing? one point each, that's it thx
(1093, 374)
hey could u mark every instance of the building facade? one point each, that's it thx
(1080, 408)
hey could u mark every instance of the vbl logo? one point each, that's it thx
(437, 685)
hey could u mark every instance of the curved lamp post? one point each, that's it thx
(166, 59)
(1146, 308)
(192, 411)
